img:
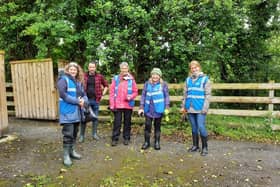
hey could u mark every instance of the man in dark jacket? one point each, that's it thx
(96, 87)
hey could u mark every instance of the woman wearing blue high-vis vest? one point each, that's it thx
(154, 104)
(197, 92)
(71, 98)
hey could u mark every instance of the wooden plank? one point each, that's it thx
(245, 86)
(227, 99)
(36, 89)
(271, 95)
(9, 84)
(275, 127)
(230, 86)
(29, 83)
(10, 103)
(9, 94)
(253, 113)
(29, 61)
(14, 85)
(33, 89)
(47, 90)
(24, 102)
(43, 104)
(172, 98)
(11, 113)
(17, 90)
(3, 97)
(244, 99)
(51, 96)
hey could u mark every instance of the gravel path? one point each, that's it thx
(34, 158)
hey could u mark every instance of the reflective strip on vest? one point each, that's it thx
(154, 93)
(195, 93)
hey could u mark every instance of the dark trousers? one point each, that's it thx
(119, 114)
(70, 132)
(148, 125)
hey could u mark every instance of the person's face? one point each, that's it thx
(195, 69)
(73, 71)
(155, 77)
(124, 70)
(91, 68)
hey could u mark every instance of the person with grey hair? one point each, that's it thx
(123, 90)
(96, 87)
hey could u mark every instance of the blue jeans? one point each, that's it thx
(198, 123)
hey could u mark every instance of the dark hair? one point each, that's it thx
(95, 62)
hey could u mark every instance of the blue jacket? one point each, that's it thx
(69, 92)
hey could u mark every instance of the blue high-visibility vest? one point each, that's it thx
(154, 93)
(69, 113)
(195, 93)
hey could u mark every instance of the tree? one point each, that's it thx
(230, 38)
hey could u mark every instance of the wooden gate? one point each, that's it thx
(3, 101)
(35, 95)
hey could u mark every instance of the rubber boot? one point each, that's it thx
(74, 154)
(157, 141)
(195, 146)
(146, 144)
(204, 150)
(66, 155)
(82, 132)
(94, 131)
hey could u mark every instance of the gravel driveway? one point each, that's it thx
(34, 159)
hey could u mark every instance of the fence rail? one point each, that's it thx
(269, 100)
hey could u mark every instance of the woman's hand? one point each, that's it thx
(183, 111)
(81, 102)
(141, 112)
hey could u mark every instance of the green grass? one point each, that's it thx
(255, 129)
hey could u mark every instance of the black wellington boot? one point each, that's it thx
(82, 132)
(66, 155)
(146, 144)
(204, 150)
(74, 154)
(195, 146)
(157, 141)
(94, 131)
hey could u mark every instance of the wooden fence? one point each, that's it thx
(3, 100)
(270, 99)
(34, 92)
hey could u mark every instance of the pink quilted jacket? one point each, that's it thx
(121, 101)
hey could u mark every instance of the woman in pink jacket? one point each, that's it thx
(123, 91)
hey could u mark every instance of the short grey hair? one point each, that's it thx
(124, 64)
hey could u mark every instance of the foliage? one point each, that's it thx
(234, 40)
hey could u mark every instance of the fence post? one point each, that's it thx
(271, 96)
(3, 96)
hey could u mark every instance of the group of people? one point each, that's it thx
(78, 90)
